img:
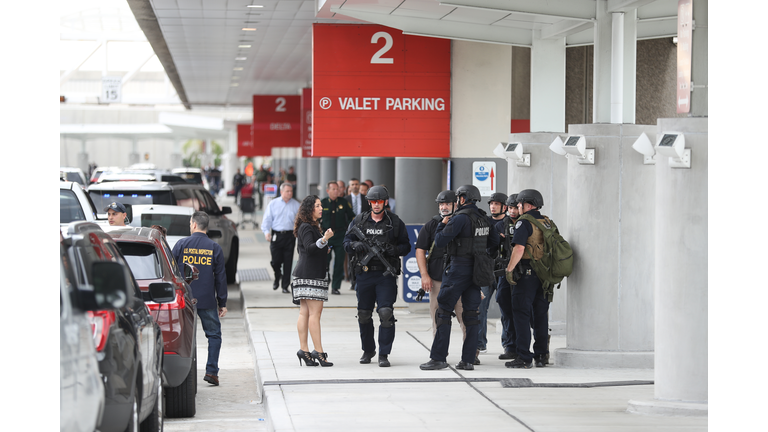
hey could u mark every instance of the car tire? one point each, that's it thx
(180, 401)
(133, 420)
(154, 422)
(231, 266)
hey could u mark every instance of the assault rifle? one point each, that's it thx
(372, 249)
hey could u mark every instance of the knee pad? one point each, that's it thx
(387, 317)
(471, 317)
(443, 317)
(364, 316)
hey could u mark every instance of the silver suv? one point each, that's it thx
(220, 229)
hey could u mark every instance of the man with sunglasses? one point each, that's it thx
(374, 289)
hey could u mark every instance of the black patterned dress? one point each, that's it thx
(311, 273)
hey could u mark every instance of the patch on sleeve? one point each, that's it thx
(518, 224)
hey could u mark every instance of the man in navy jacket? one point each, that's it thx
(210, 288)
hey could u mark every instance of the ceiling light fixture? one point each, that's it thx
(240, 58)
(248, 29)
(238, 69)
(255, 6)
(243, 46)
(235, 84)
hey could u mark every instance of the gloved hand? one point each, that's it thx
(510, 278)
(388, 248)
(358, 246)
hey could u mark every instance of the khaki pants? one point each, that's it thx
(458, 309)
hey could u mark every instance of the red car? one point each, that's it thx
(151, 260)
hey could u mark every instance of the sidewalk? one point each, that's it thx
(353, 397)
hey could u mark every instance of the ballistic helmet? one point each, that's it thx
(377, 193)
(512, 200)
(470, 193)
(499, 198)
(446, 196)
(531, 196)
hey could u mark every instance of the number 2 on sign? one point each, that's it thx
(377, 59)
(280, 104)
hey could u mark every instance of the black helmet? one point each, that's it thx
(377, 193)
(499, 198)
(512, 200)
(446, 196)
(470, 192)
(531, 196)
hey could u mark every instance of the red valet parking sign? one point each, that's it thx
(276, 122)
(378, 92)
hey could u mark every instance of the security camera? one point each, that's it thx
(576, 145)
(644, 146)
(499, 150)
(672, 145)
(514, 151)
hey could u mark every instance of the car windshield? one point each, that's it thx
(143, 260)
(69, 207)
(102, 199)
(175, 224)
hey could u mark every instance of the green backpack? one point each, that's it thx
(557, 261)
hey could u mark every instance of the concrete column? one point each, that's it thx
(681, 386)
(617, 67)
(547, 174)
(380, 170)
(301, 179)
(133, 156)
(327, 173)
(82, 158)
(610, 294)
(313, 178)
(699, 68)
(630, 66)
(547, 84)
(277, 161)
(601, 99)
(422, 179)
(176, 158)
(347, 168)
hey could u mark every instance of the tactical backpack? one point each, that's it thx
(557, 259)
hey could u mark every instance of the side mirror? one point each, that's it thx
(161, 292)
(226, 210)
(110, 285)
(214, 234)
(191, 273)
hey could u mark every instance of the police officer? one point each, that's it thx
(497, 204)
(506, 227)
(464, 234)
(210, 288)
(116, 214)
(372, 286)
(429, 257)
(337, 212)
(528, 300)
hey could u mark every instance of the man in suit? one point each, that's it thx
(356, 199)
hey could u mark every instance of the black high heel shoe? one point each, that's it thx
(307, 357)
(322, 358)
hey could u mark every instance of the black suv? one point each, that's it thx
(222, 230)
(129, 343)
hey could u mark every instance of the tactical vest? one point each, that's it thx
(466, 247)
(509, 232)
(534, 247)
(383, 235)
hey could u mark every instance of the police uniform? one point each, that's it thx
(372, 286)
(504, 291)
(210, 288)
(459, 236)
(336, 215)
(528, 300)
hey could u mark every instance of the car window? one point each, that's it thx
(102, 199)
(175, 224)
(142, 259)
(69, 207)
(169, 253)
(185, 198)
(74, 177)
(207, 203)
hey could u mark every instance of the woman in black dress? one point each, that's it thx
(310, 284)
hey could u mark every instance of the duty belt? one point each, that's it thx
(373, 268)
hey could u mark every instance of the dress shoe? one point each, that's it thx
(285, 291)
(508, 355)
(337, 292)
(465, 366)
(276, 284)
(518, 363)
(433, 365)
(477, 357)
(383, 362)
(367, 356)
(540, 360)
(213, 379)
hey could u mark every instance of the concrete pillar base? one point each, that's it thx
(669, 408)
(570, 358)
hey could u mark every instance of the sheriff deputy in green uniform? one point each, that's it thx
(337, 214)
